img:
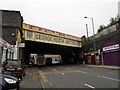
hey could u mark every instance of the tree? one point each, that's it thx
(113, 21)
(101, 28)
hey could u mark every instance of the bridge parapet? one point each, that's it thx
(39, 34)
(50, 32)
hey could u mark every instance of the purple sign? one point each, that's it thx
(111, 53)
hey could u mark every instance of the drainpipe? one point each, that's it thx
(102, 58)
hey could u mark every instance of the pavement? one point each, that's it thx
(103, 66)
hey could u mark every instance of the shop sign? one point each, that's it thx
(47, 31)
(39, 37)
(112, 47)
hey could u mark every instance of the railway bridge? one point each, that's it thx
(40, 40)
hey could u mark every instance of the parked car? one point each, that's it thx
(15, 66)
(8, 82)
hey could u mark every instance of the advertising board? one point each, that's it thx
(40, 37)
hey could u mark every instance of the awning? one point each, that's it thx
(92, 53)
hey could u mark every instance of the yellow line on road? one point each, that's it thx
(44, 78)
(42, 84)
(41, 81)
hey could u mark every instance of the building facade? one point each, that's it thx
(11, 26)
(107, 47)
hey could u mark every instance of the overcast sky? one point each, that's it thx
(66, 16)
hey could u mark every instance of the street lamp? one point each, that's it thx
(87, 29)
(93, 30)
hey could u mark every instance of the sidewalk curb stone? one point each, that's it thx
(103, 67)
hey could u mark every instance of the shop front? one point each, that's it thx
(111, 53)
(92, 56)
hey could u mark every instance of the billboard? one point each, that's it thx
(49, 32)
(46, 38)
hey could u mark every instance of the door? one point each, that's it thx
(93, 59)
(112, 58)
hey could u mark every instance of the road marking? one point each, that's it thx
(81, 71)
(108, 78)
(58, 71)
(40, 75)
(69, 68)
(77, 71)
(62, 73)
(44, 79)
(89, 86)
(42, 84)
(47, 79)
(54, 70)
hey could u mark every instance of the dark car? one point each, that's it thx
(8, 82)
(15, 66)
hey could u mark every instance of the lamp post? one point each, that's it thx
(93, 31)
(87, 29)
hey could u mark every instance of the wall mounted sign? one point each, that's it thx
(112, 47)
(40, 37)
(50, 32)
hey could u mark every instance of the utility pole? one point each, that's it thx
(87, 29)
(93, 31)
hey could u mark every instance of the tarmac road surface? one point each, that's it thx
(70, 76)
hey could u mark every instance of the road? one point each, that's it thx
(70, 76)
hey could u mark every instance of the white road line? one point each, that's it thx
(62, 73)
(81, 71)
(77, 71)
(108, 78)
(69, 68)
(58, 71)
(89, 86)
(54, 70)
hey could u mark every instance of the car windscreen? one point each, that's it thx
(13, 64)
